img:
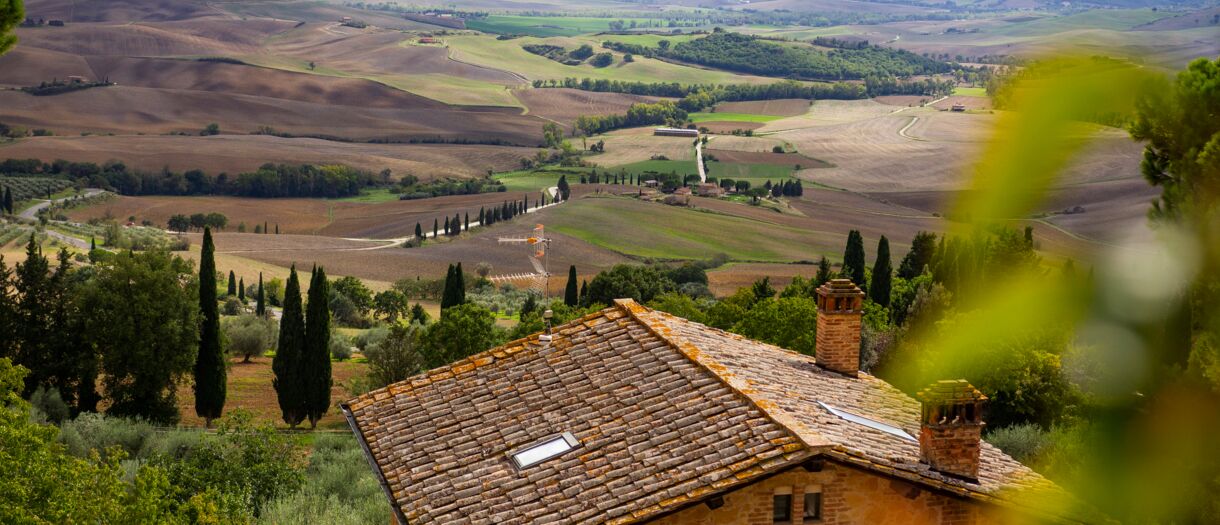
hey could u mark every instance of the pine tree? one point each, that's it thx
(315, 362)
(260, 306)
(232, 288)
(823, 275)
(288, 353)
(853, 259)
(883, 274)
(241, 290)
(210, 362)
(571, 296)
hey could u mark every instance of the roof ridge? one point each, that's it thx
(469, 363)
(805, 435)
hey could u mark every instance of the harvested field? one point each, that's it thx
(565, 105)
(383, 220)
(830, 113)
(741, 143)
(971, 103)
(431, 260)
(251, 80)
(729, 127)
(729, 278)
(637, 145)
(29, 66)
(250, 388)
(195, 37)
(766, 157)
(116, 10)
(112, 110)
(238, 153)
(788, 107)
(904, 100)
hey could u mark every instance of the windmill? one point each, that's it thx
(538, 244)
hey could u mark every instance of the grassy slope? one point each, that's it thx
(752, 172)
(485, 50)
(645, 229)
(970, 91)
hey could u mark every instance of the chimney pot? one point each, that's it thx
(840, 307)
(951, 427)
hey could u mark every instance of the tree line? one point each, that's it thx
(268, 181)
(750, 54)
(639, 114)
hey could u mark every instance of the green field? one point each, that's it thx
(486, 51)
(970, 91)
(533, 180)
(731, 117)
(373, 196)
(547, 25)
(751, 172)
(644, 229)
(681, 167)
(1111, 19)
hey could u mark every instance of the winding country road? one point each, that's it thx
(31, 213)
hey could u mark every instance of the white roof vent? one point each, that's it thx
(544, 450)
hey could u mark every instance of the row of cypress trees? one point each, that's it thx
(883, 270)
(302, 358)
(454, 293)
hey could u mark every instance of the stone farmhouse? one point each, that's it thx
(631, 415)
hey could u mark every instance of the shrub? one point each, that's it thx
(91, 431)
(232, 306)
(1024, 442)
(370, 337)
(340, 347)
(47, 405)
(339, 489)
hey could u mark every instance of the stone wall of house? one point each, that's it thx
(849, 496)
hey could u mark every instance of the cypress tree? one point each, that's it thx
(823, 275)
(482, 216)
(466, 226)
(92, 243)
(570, 294)
(447, 296)
(457, 224)
(8, 200)
(209, 363)
(277, 228)
(584, 293)
(260, 307)
(287, 362)
(241, 290)
(853, 259)
(232, 289)
(315, 363)
(459, 288)
(883, 271)
(265, 230)
(435, 227)
(419, 232)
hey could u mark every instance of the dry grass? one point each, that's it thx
(250, 388)
(238, 153)
(564, 105)
(729, 278)
(788, 107)
(638, 144)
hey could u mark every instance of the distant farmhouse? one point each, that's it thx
(676, 132)
(630, 415)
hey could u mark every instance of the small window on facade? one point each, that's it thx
(782, 504)
(813, 506)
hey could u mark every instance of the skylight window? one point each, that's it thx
(876, 425)
(547, 449)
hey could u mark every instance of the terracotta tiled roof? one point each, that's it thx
(666, 411)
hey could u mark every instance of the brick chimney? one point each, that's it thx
(840, 306)
(951, 427)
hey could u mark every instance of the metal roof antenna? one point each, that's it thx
(541, 278)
